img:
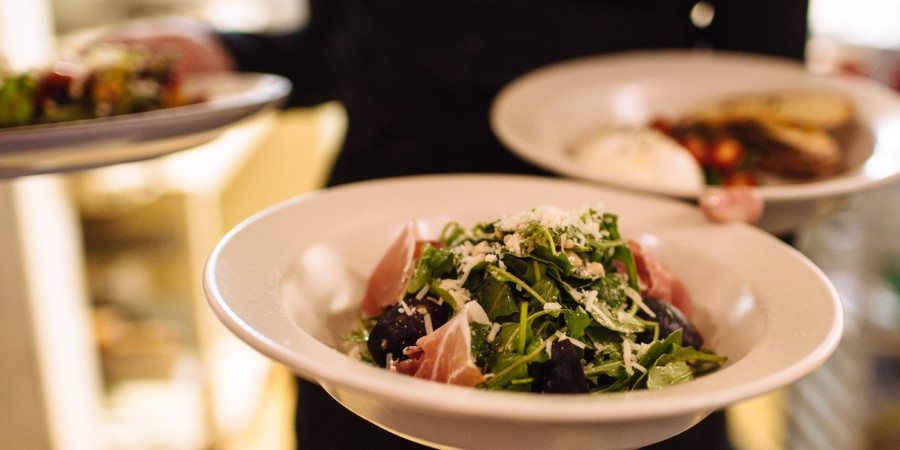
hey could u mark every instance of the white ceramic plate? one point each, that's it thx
(83, 144)
(288, 281)
(540, 115)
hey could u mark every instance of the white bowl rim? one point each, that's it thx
(315, 361)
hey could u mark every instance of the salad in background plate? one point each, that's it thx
(108, 80)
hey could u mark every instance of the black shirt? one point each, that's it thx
(417, 77)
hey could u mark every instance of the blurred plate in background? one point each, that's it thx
(67, 146)
(543, 113)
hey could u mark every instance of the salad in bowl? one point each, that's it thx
(547, 300)
(290, 282)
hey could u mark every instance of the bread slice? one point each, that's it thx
(790, 150)
(825, 110)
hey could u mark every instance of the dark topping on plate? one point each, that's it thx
(563, 374)
(402, 325)
(670, 319)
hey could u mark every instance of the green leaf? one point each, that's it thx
(452, 234)
(481, 349)
(16, 105)
(510, 366)
(505, 276)
(674, 372)
(624, 255)
(547, 289)
(434, 263)
(652, 357)
(560, 260)
(506, 368)
(577, 320)
(496, 298)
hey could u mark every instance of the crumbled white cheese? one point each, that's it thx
(635, 365)
(406, 309)
(564, 337)
(627, 356)
(513, 243)
(468, 256)
(455, 287)
(475, 313)
(552, 306)
(635, 296)
(495, 328)
(429, 328)
(554, 218)
(588, 299)
(421, 294)
(642, 348)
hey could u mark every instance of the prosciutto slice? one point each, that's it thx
(388, 280)
(658, 281)
(446, 354)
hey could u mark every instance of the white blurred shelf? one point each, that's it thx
(149, 228)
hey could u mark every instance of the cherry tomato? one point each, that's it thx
(726, 153)
(698, 146)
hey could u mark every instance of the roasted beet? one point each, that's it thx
(670, 319)
(402, 325)
(563, 374)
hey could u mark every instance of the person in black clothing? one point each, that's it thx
(417, 79)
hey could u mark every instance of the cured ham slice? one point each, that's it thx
(658, 281)
(446, 354)
(408, 366)
(389, 279)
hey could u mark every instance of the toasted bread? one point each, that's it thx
(808, 109)
(791, 151)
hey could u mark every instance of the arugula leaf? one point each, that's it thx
(624, 255)
(507, 367)
(547, 289)
(481, 349)
(673, 372)
(577, 320)
(536, 288)
(511, 366)
(444, 295)
(434, 263)
(503, 275)
(496, 298)
(652, 356)
(452, 234)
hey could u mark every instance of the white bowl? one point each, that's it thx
(288, 281)
(540, 115)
